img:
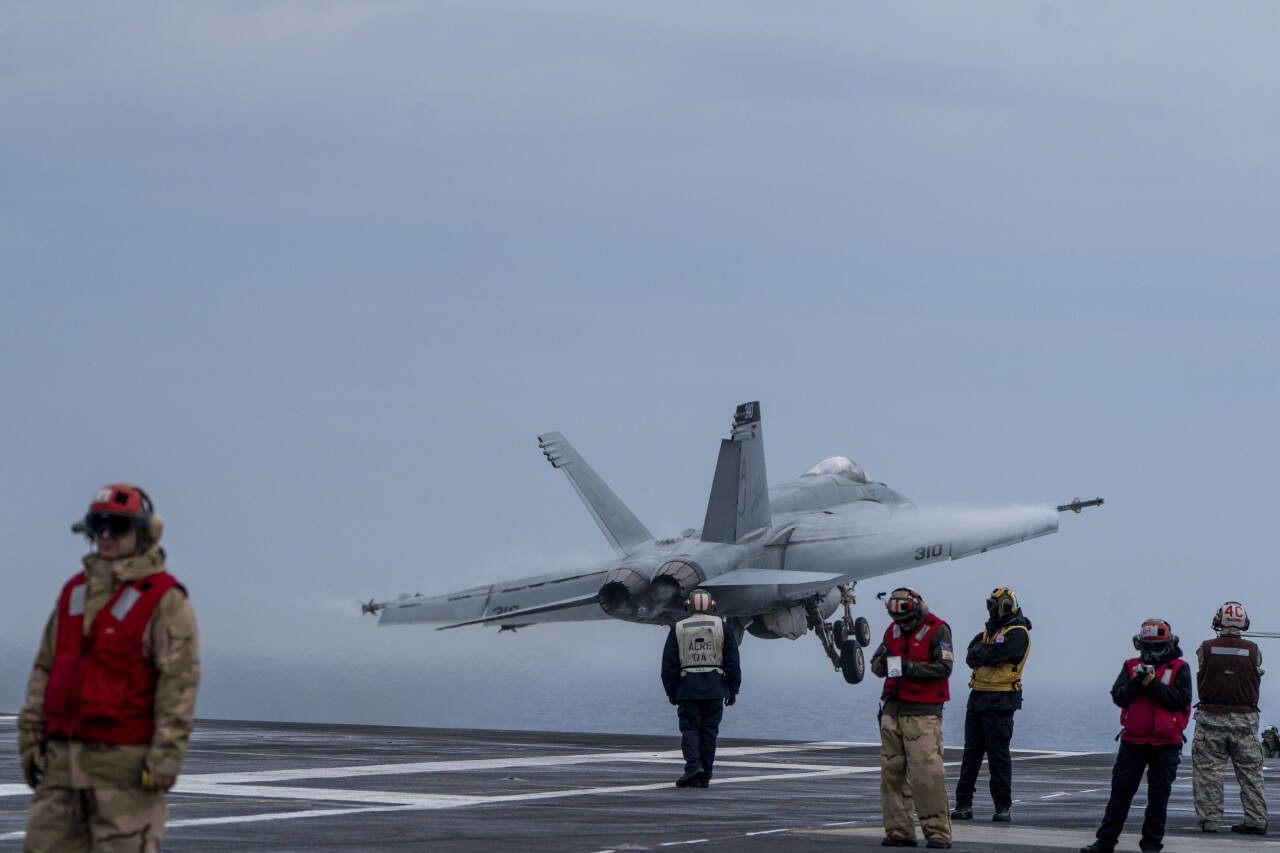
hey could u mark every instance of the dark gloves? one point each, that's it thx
(671, 699)
(730, 699)
(33, 764)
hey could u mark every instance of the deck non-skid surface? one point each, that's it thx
(302, 787)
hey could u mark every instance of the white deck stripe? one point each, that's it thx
(236, 784)
(998, 836)
(463, 764)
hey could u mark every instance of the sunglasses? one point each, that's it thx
(100, 523)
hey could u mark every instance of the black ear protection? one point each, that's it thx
(1004, 601)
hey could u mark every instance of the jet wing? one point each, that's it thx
(556, 597)
(530, 615)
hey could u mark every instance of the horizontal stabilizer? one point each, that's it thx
(512, 616)
(618, 524)
(790, 582)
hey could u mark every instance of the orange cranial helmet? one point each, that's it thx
(119, 509)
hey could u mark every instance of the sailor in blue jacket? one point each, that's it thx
(701, 674)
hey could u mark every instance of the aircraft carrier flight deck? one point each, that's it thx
(308, 787)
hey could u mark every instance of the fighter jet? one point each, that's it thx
(779, 561)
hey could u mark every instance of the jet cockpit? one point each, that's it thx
(841, 466)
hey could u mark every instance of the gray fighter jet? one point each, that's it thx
(780, 562)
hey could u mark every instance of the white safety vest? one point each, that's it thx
(701, 641)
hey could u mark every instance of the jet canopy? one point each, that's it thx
(841, 466)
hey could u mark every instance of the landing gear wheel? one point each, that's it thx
(852, 665)
(862, 631)
(837, 629)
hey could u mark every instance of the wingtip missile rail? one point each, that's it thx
(1077, 505)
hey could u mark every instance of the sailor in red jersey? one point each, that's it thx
(915, 661)
(1154, 692)
(111, 697)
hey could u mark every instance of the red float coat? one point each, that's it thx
(1146, 720)
(102, 687)
(914, 647)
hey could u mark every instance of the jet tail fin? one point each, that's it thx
(623, 530)
(739, 502)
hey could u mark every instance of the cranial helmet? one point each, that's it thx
(700, 601)
(1155, 640)
(1002, 604)
(121, 508)
(903, 603)
(1231, 615)
(1271, 730)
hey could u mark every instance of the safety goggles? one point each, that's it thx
(102, 523)
(900, 605)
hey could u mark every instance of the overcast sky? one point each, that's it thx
(316, 275)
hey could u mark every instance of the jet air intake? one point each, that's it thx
(624, 594)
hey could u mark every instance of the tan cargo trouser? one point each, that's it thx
(912, 777)
(102, 820)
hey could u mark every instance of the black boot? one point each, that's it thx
(689, 778)
(1247, 829)
(1002, 816)
(962, 812)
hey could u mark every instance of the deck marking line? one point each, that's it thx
(233, 785)
(457, 765)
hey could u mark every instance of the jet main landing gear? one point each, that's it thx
(843, 639)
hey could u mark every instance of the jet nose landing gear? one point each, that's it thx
(844, 638)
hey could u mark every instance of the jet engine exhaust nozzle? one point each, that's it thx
(624, 594)
(673, 582)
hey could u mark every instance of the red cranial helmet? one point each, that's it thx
(1154, 630)
(121, 499)
(1155, 640)
(119, 509)
(903, 603)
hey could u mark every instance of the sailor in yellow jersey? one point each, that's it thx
(996, 656)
